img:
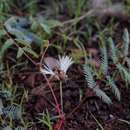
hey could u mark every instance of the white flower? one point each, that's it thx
(65, 62)
(47, 70)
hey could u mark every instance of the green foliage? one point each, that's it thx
(75, 7)
(128, 5)
(117, 54)
(128, 62)
(112, 56)
(23, 42)
(104, 59)
(2, 33)
(89, 76)
(5, 94)
(31, 6)
(16, 27)
(12, 112)
(38, 24)
(114, 87)
(92, 84)
(20, 52)
(124, 73)
(11, 106)
(30, 51)
(48, 25)
(71, 6)
(126, 42)
(5, 46)
(46, 120)
(9, 128)
(80, 4)
(101, 94)
(113, 50)
(5, 8)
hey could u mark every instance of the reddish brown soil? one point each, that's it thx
(79, 113)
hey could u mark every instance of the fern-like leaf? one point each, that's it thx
(124, 73)
(5, 94)
(89, 76)
(102, 95)
(126, 42)
(114, 88)
(92, 84)
(128, 62)
(104, 60)
(113, 50)
(12, 112)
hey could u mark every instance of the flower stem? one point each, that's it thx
(61, 96)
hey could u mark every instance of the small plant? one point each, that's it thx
(94, 86)
(46, 120)
(112, 56)
(32, 33)
(120, 57)
(13, 112)
(5, 6)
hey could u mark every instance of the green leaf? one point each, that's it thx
(23, 42)
(126, 42)
(89, 76)
(46, 28)
(1, 106)
(114, 88)
(47, 25)
(5, 94)
(124, 73)
(2, 33)
(104, 60)
(113, 50)
(5, 46)
(128, 62)
(13, 112)
(30, 51)
(102, 95)
(53, 23)
(20, 52)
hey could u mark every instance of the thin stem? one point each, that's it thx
(99, 124)
(53, 94)
(44, 54)
(57, 105)
(61, 96)
(22, 99)
(60, 124)
(77, 19)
